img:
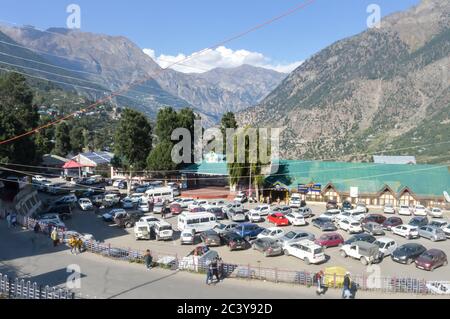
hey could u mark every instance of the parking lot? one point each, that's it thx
(90, 222)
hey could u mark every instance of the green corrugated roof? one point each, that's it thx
(422, 180)
(206, 168)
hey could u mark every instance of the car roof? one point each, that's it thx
(435, 252)
(307, 242)
(384, 239)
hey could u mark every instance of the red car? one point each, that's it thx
(376, 218)
(278, 219)
(175, 209)
(432, 259)
(330, 240)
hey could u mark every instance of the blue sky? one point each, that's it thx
(173, 27)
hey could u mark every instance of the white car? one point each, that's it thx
(262, 210)
(420, 210)
(143, 206)
(406, 231)
(51, 219)
(439, 223)
(404, 210)
(386, 245)
(350, 225)
(187, 237)
(361, 208)
(68, 199)
(305, 211)
(136, 197)
(305, 250)
(296, 219)
(185, 202)
(85, 204)
(331, 215)
(240, 198)
(272, 233)
(127, 203)
(197, 203)
(436, 212)
(349, 215)
(446, 230)
(389, 209)
(254, 217)
(296, 201)
(150, 220)
(38, 178)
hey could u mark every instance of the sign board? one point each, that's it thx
(309, 188)
(447, 196)
(354, 192)
(303, 189)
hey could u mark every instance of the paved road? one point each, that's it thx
(105, 278)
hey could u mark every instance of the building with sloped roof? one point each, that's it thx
(405, 160)
(93, 160)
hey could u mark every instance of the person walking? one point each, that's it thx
(8, 219)
(79, 245)
(209, 274)
(72, 245)
(215, 270)
(14, 220)
(54, 237)
(347, 284)
(319, 281)
(220, 268)
(148, 259)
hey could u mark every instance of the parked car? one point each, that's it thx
(363, 251)
(142, 230)
(126, 220)
(233, 207)
(376, 218)
(163, 230)
(268, 246)
(187, 237)
(374, 229)
(305, 211)
(386, 245)
(68, 199)
(404, 210)
(360, 237)
(432, 233)
(296, 236)
(236, 215)
(439, 223)
(282, 209)
(240, 198)
(197, 203)
(273, 233)
(296, 201)
(349, 214)
(50, 219)
(392, 222)
(408, 253)
(185, 202)
(296, 219)
(436, 212)
(420, 210)
(127, 203)
(64, 210)
(210, 238)
(217, 211)
(419, 221)
(278, 219)
(223, 229)
(175, 209)
(324, 224)
(85, 204)
(150, 220)
(350, 226)
(346, 205)
(306, 250)
(262, 210)
(331, 214)
(254, 217)
(330, 240)
(332, 204)
(143, 206)
(431, 259)
(406, 231)
(389, 209)
(446, 230)
(109, 217)
(234, 241)
(248, 231)
(361, 207)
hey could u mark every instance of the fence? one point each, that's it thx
(21, 289)
(250, 272)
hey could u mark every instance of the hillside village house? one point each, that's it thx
(371, 183)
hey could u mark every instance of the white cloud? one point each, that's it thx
(222, 57)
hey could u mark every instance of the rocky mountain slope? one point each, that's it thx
(384, 89)
(112, 62)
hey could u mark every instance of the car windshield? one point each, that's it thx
(318, 250)
(324, 237)
(266, 232)
(427, 256)
(379, 244)
(168, 227)
(290, 235)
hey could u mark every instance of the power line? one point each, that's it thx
(101, 101)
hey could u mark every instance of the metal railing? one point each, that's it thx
(14, 288)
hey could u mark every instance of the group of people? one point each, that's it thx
(76, 245)
(215, 269)
(349, 286)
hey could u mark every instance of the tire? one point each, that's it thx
(286, 253)
(409, 261)
(247, 238)
(364, 261)
(445, 263)
(266, 254)
(307, 261)
(343, 254)
(157, 237)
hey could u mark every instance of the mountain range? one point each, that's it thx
(385, 90)
(108, 63)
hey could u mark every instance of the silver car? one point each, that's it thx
(374, 229)
(296, 236)
(305, 211)
(432, 233)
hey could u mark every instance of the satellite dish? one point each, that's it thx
(447, 196)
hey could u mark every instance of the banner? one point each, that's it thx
(309, 188)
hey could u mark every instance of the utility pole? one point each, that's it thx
(250, 183)
(129, 180)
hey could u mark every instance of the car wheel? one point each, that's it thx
(157, 237)
(254, 247)
(307, 261)
(286, 253)
(433, 239)
(445, 263)
(409, 261)
(266, 254)
(247, 238)
(343, 254)
(364, 261)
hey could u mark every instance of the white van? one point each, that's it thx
(142, 230)
(164, 193)
(199, 222)
(163, 230)
(296, 201)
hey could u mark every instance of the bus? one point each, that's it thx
(160, 194)
(199, 222)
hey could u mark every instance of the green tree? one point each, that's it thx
(76, 139)
(62, 140)
(133, 139)
(160, 158)
(166, 122)
(228, 121)
(17, 116)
